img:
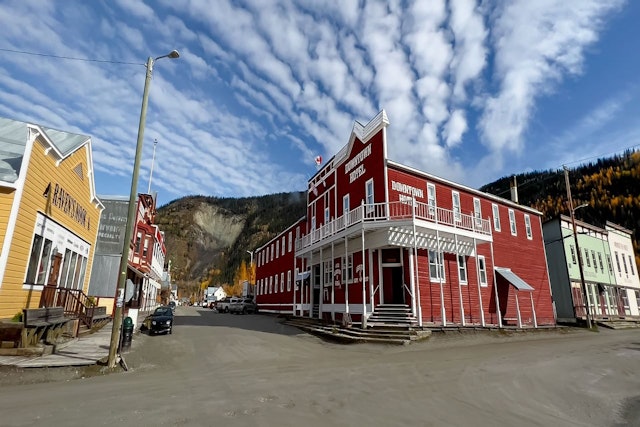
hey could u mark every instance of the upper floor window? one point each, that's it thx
(455, 199)
(631, 266)
(436, 266)
(431, 199)
(593, 257)
(573, 254)
(586, 256)
(618, 263)
(272, 251)
(624, 264)
(527, 226)
(284, 244)
(496, 217)
(369, 195)
(345, 204)
(288, 280)
(282, 282)
(609, 264)
(600, 261)
(327, 215)
(313, 222)
(512, 222)
(277, 249)
(275, 284)
(477, 211)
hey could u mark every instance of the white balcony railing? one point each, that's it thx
(396, 211)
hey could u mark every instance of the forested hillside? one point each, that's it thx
(207, 237)
(610, 186)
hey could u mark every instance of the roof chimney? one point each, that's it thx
(514, 190)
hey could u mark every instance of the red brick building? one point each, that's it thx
(381, 238)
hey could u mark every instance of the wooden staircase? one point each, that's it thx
(392, 315)
(76, 305)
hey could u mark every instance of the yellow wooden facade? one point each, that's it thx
(60, 188)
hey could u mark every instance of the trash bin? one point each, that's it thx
(127, 333)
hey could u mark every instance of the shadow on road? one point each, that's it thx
(252, 322)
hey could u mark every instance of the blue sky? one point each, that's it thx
(474, 90)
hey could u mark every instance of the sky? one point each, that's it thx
(474, 90)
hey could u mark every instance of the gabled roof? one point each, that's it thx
(14, 137)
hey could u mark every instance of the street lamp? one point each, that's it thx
(575, 239)
(117, 316)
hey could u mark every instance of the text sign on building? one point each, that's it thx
(406, 192)
(113, 223)
(354, 168)
(69, 205)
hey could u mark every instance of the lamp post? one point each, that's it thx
(153, 160)
(117, 315)
(575, 239)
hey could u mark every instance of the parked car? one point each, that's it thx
(243, 306)
(224, 304)
(161, 320)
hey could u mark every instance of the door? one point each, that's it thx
(393, 285)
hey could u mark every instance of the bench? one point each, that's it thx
(39, 323)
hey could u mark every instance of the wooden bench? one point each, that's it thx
(39, 323)
(99, 317)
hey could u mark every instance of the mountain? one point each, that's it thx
(207, 237)
(609, 186)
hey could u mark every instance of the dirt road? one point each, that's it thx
(219, 369)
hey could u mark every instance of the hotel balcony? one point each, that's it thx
(402, 224)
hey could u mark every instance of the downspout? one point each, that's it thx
(475, 248)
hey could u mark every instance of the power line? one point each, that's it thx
(71, 58)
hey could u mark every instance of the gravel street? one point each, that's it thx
(220, 369)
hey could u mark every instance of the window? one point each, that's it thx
(326, 216)
(275, 284)
(436, 266)
(618, 263)
(284, 244)
(345, 204)
(290, 241)
(512, 222)
(600, 261)
(271, 284)
(609, 265)
(496, 217)
(328, 272)
(455, 199)
(272, 252)
(431, 199)
(39, 261)
(313, 222)
(368, 187)
(288, 280)
(462, 269)
(624, 264)
(593, 257)
(586, 257)
(347, 269)
(477, 211)
(573, 254)
(277, 249)
(138, 241)
(282, 282)
(527, 226)
(637, 298)
(483, 270)
(631, 266)
(145, 249)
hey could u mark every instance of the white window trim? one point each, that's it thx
(456, 208)
(495, 209)
(439, 264)
(512, 223)
(369, 196)
(431, 199)
(482, 268)
(464, 267)
(527, 226)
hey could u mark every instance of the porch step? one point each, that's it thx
(392, 315)
(619, 324)
(394, 336)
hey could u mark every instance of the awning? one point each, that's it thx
(513, 278)
(302, 276)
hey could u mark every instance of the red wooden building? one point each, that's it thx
(400, 245)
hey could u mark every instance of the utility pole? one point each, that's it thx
(575, 238)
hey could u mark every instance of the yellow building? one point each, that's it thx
(49, 214)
